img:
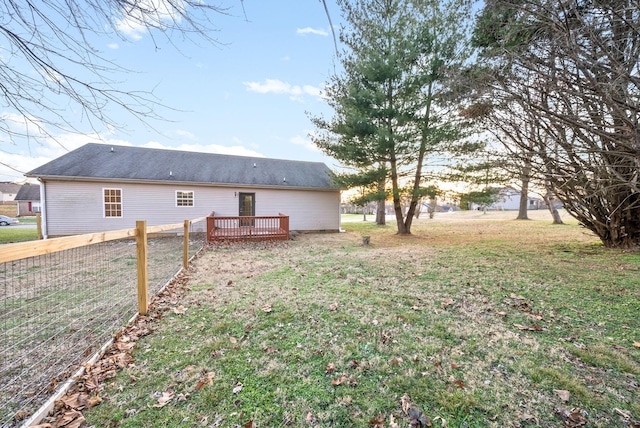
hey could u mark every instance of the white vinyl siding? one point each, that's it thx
(76, 207)
(184, 198)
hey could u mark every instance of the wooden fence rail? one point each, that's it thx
(22, 250)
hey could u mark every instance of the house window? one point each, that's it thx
(184, 198)
(112, 202)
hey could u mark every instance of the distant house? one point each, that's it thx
(8, 191)
(509, 199)
(100, 187)
(28, 199)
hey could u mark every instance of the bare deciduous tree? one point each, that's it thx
(49, 64)
(573, 68)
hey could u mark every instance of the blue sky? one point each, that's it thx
(247, 95)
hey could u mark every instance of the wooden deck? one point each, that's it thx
(245, 228)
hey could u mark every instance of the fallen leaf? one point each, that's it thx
(563, 394)
(622, 413)
(237, 388)
(395, 361)
(180, 310)
(353, 364)
(166, 397)
(447, 302)
(270, 350)
(515, 296)
(344, 379)
(443, 422)
(124, 346)
(267, 308)
(459, 383)
(20, 415)
(70, 419)
(392, 422)
(534, 327)
(233, 340)
(310, 419)
(528, 418)
(339, 380)
(331, 367)
(523, 306)
(333, 307)
(230, 283)
(406, 403)
(249, 424)
(636, 344)
(572, 418)
(94, 401)
(77, 401)
(207, 379)
(378, 421)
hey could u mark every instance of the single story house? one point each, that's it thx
(100, 187)
(8, 191)
(28, 199)
(509, 199)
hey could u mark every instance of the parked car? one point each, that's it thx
(6, 221)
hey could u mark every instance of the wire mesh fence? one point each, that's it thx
(58, 309)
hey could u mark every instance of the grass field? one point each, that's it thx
(9, 234)
(475, 320)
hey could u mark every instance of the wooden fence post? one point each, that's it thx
(185, 256)
(39, 225)
(143, 278)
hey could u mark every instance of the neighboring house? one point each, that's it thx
(100, 187)
(509, 199)
(28, 199)
(8, 191)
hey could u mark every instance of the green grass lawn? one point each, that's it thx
(9, 234)
(478, 320)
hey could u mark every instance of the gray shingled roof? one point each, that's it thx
(101, 161)
(29, 192)
(6, 187)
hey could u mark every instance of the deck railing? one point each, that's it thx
(259, 228)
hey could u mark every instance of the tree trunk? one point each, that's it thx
(433, 203)
(381, 212)
(552, 209)
(524, 191)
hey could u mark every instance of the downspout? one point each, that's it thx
(340, 212)
(43, 209)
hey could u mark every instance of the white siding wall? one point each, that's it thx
(76, 207)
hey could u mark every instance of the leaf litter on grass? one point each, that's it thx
(331, 302)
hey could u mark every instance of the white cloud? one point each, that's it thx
(309, 30)
(155, 12)
(304, 142)
(275, 86)
(185, 134)
(113, 46)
